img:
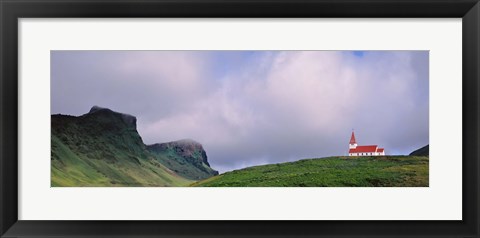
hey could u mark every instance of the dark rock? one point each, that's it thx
(186, 148)
(189, 150)
(129, 120)
(424, 151)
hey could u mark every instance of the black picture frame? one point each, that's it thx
(12, 10)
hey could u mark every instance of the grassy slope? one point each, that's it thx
(193, 169)
(388, 171)
(74, 170)
(102, 150)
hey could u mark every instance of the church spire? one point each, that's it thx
(352, 139)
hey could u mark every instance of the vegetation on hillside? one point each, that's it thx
(185, 157)
(103, 148)
(385, 171)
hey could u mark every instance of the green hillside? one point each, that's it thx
(385, 171)
(103, 148)
(187, 158)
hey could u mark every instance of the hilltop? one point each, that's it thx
(103, 148)
(424, 151)
(379, 171)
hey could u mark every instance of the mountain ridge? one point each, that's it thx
(103, 147)
(181, 152)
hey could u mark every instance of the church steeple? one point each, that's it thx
(352, 139)
(353, 142)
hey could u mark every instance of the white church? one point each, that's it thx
(363, 150)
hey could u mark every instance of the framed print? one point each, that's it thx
(221, 119)
(216, 121)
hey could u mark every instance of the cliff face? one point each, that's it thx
(186, 148)
(128, 120)
(186, 157)
(103, 148)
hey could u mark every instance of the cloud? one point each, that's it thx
(255, 107)
(141, 83)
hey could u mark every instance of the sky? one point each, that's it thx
(255, 107)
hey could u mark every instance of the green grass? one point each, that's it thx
(73, 170)
(105, 149)
(385, 171)
(101, 150)
(191, 167)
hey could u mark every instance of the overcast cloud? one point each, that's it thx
(254, 107)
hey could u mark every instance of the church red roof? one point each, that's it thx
(352, 139)
(380, 150)
(364, 149)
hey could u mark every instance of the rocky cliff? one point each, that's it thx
(104, 148)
